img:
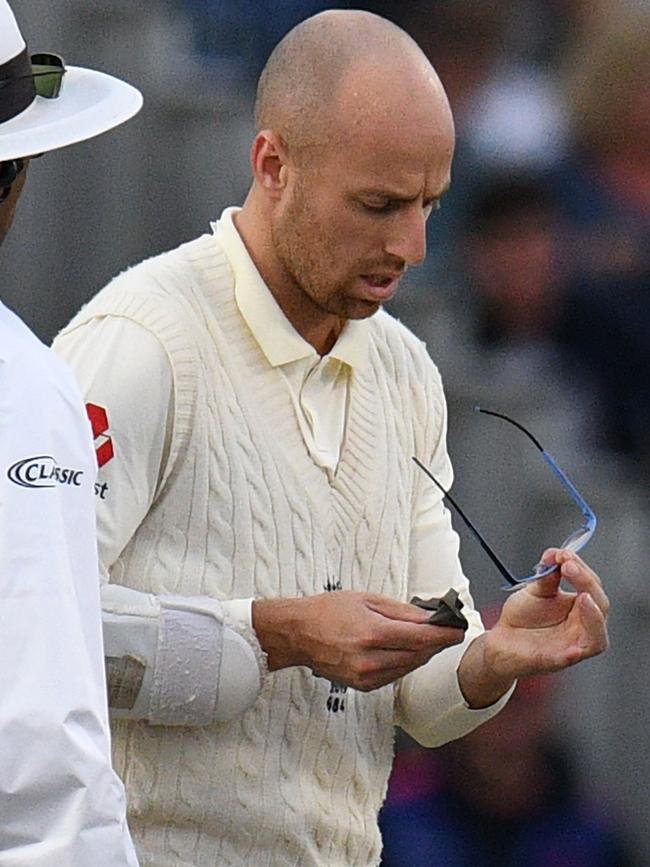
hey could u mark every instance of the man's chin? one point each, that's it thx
(361, 308)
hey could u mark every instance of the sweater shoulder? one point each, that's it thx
(401, 350)
(161, 293)
(170, 274)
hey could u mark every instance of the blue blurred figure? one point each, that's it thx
(502, 796)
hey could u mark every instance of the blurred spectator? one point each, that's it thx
(545, 313)
(606, 183)
(512, 256)
(502, 796)
(605, 189)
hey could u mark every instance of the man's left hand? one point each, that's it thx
(542, 628)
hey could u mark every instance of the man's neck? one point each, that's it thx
(317, 327)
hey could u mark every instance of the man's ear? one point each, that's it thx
(269, 162)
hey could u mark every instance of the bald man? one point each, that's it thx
(256, 412)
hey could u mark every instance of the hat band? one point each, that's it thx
(17, 90)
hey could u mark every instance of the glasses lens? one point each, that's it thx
(48, 71)
(574, 542)
(578, 539)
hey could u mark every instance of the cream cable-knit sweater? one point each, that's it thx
(243, 511)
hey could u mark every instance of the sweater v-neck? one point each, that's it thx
(341, 500)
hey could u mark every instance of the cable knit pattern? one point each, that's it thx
(242, 511)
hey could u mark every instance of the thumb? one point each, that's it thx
(547, 586)
(395, 610)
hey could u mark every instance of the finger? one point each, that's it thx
(595, 639)
(561, 555)
(413, 637)
(386, 677)
(558, 555)
(548, 558)
(564, 555)
(545, 587)
(576, 572)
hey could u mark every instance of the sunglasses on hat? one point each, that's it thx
(47, 74)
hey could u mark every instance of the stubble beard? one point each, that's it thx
(314, 293)
(292, 238)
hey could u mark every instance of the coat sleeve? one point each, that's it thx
(60, 800)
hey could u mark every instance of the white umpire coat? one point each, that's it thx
(61, 804)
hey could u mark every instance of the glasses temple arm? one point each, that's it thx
(511, 421)
(584, 507)
(479, 538)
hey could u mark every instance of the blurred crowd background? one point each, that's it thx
(535, 302)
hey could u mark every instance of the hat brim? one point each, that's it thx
(89, 104)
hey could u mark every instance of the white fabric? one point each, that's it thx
(89, 103)
(11, 41)
(241, 508)
(196, 670)
(61, 804)
(188, 627)
(188, 634)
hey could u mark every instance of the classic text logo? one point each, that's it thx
(42, 471)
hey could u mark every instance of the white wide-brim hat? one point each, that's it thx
(88, 104)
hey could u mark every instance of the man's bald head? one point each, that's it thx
(314, 70)
(353, 152)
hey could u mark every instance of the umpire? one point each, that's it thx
(60, 801)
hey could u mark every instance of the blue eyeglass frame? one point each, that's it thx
(574, 542)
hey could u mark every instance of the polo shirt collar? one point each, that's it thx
(277, 338)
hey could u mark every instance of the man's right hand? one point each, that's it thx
(362, 640)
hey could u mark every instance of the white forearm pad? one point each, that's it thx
(188, 667)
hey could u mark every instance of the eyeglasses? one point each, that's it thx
(47, 74)
(48, 71)
(574, 542)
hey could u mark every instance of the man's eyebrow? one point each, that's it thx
(400, 196)
(385, 193)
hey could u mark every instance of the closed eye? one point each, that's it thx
(392, 205)
(382, 207)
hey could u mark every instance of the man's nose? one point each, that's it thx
(408, 236)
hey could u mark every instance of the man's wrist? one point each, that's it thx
(479, 678)
(276, 622)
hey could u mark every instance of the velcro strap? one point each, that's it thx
(124, 676)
